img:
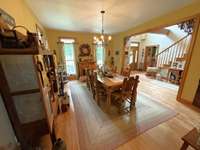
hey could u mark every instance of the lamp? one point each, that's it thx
(102, 38)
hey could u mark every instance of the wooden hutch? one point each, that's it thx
(86, 60)
(29, 91)
(87, 64)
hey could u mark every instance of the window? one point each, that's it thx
(100, 54)
(130, 57)
(69, 55)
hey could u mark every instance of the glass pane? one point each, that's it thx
(29, 107)
(134, 44)
(130, 58)
(71, 67)
(69, 51)
(70, 58)
(100, 55)
(64, 40)
(19, 67)
(136, 53)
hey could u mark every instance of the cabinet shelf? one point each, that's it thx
(24, 51)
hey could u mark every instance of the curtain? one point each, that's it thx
(61, 55)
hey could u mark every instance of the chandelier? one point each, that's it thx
(102, 38)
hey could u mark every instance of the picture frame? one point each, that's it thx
(85, 50)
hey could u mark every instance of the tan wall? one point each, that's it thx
(193, 75)
(80, 37)
(20, 11)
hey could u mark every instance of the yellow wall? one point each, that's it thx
(80, 37)
(20, 11)
(193, 75)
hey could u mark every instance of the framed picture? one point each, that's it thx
(85, 50)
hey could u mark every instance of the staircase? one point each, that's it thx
(174, 53)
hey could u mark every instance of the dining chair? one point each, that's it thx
(97, 89)
(91, 82)
(87, 73)
(126, 71)
(114, 69)
(127, 93)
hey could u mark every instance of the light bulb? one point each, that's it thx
(102, 37)
(109, 38)
(95, 38)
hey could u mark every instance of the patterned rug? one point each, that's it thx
(100, 129)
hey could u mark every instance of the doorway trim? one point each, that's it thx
(145, 54)
(137, 53)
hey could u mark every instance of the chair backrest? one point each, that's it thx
(129, 86)
(93, 79)
(114, 69)
(135, 85)
(95, 76)
(89, 77)
(126, 71)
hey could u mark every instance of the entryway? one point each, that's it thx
(162, 53)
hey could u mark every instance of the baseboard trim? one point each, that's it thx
(185, 101)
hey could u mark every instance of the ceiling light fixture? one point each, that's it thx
(102, 38)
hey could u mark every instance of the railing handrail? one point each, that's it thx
(173, 44)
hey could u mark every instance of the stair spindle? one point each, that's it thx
(176, 50)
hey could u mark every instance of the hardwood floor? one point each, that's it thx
(166, 136)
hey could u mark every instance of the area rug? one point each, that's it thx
(100, 129)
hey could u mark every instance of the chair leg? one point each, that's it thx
(94, 94)
(131, 105)
(121, 106)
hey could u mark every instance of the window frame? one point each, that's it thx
(104, 53)
(74, 53)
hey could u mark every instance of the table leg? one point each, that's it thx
(96, 95)
(108, 98)
(184, 146)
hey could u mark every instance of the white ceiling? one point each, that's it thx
(84, 15)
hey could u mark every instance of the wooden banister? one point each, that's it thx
(174, 51)
(173, 44)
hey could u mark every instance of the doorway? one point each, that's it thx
(132, 55)
(165, 52)
(150, 56)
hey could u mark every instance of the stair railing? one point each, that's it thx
(177, 50)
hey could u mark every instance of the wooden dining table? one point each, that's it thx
(110, 85)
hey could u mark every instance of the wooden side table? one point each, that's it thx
(190, 139)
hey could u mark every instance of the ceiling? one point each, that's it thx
(84, 15)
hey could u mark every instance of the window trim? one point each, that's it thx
(104, 53)
(66, 37)
(74, 60)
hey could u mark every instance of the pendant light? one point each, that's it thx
(102, 38)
